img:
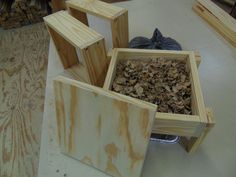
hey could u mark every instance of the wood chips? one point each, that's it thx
(164, 82)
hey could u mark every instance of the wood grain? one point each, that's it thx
(220, 20)
(171, 124)
(97, 8)
(23, 65)
(78, 44)
(75, 32)
(117, 16)
(120, 31)
(102, 129)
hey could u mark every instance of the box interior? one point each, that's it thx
(123, 55)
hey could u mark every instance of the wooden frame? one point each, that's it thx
(79, 47)
(220, 20)
(165, 123)
(117, 16)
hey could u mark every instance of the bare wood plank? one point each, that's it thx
(66, 51)
(81, 16)
(75, 32)
(120, 31)
(118, 131)
(97, 8)
(96, 62)
(222, 22)
(192, 144)
(177, 124)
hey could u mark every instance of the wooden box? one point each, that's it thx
(117, 17)
(80, 48)
(168, 123)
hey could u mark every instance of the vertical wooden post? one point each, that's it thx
(66, 51)
(192, 144)
(120, 28)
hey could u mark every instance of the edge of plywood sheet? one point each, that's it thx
(101, 129)
(218, 19)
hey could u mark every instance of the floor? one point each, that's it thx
(23, 69)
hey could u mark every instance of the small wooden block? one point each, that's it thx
(117, 16)
(101, 128)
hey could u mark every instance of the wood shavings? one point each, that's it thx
(161, 81)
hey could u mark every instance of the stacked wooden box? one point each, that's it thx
(18, 13)
(102, 128)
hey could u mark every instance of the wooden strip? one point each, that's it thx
(102, 130)
(96, 62)
(97, 8)
(65, 50)
(197, 56)
(81, 16)
(120, 31)
(222, 22)
(200, 106)
(72, 30)
(177, 124)
(192, 144)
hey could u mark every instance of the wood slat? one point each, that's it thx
(97, 8)
(222, 22)
(72, 30)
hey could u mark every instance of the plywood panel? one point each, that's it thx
(103, 129)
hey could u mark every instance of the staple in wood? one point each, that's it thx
(164, 82)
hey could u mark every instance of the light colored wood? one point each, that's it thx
(120, 31)
(78, 72)
(77, 44)
(23, 69)
(117, 16)
(81, 16)
(75, 32)
(220, 20)
(177, 124)
(196, 88)
(196, 53)
(66, 51)
(102, 130)
(193, 143)
(96, 62)
(172, 124)
(97, 8)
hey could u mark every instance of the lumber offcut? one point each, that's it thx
(220, 20)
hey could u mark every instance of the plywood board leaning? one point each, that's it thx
(117, 16)
(220, 20)
(102, 129)
(77, 44)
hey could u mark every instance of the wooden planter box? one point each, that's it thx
(168, 123)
